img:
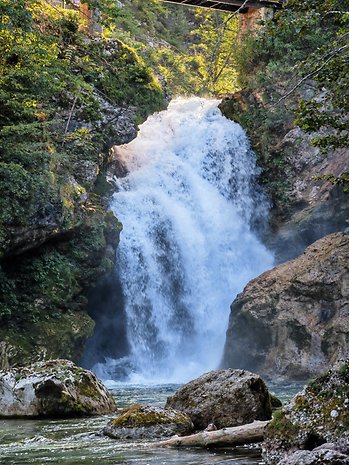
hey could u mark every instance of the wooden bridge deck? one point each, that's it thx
(227, 5)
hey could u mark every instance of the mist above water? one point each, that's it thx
(187, 247)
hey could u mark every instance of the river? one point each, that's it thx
(77, 441)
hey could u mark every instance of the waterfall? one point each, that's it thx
(187, 247)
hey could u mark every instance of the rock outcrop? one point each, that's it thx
(139, 421)
(306, 206)
(293, 321)
(224, 398)
(315, 420)
(57, 388)
(316, 207)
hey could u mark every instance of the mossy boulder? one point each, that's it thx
(142, 421)
(53, 389)
(224, 398)
(317, 415)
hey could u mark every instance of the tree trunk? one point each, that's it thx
(234, 436)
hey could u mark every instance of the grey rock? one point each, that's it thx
(315, 420)
(224, 398)
(142, 421)
(293, 321)
(316, 457)
(56, 388)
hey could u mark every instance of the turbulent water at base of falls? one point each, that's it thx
(187, 247)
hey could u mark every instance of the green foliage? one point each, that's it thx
(50, 71)
(50, 280)
(55, 82)
(281, 427)
(216, 41)
(278, 64)
(328, 65)
(193, 50)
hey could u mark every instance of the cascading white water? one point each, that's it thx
(186, 248)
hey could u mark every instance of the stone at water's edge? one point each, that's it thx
(317, 416)
(56, 388)
(322, 455)
(293, 321)
(139, 421)
(224, 398)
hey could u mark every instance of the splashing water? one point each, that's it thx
(186, 248)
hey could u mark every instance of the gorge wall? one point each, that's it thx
(56, 236)
(293, 321)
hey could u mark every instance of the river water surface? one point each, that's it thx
(77, 441)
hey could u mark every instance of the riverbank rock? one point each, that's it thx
(56, 388)
(224, 398)
(141, 421)
(319, 456)
(317, 415)
(293, 321)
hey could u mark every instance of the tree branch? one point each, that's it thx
(313, 73)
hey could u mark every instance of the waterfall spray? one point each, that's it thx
(186, 248)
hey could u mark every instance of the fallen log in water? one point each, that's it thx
(234, 436)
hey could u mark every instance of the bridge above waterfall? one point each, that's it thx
(228, 5)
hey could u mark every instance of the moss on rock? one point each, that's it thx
(142, 421)
(56, 388)
(319, 414)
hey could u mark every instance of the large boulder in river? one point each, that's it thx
(142, 421)
(224, 398)
(293, 321)
(56, 388)
(316, 416)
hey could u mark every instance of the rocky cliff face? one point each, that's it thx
(305, 207)
(293, 321)
(316, 207)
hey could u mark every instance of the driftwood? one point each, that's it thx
(234, 436)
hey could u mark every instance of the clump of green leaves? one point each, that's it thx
(192, 49)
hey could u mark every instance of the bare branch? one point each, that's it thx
(69, 119)
(315, 72)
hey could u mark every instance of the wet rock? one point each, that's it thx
(57, 388)
(293, 321)
(308, 423)
(139, 421)
(318, 457)
(224, 398)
